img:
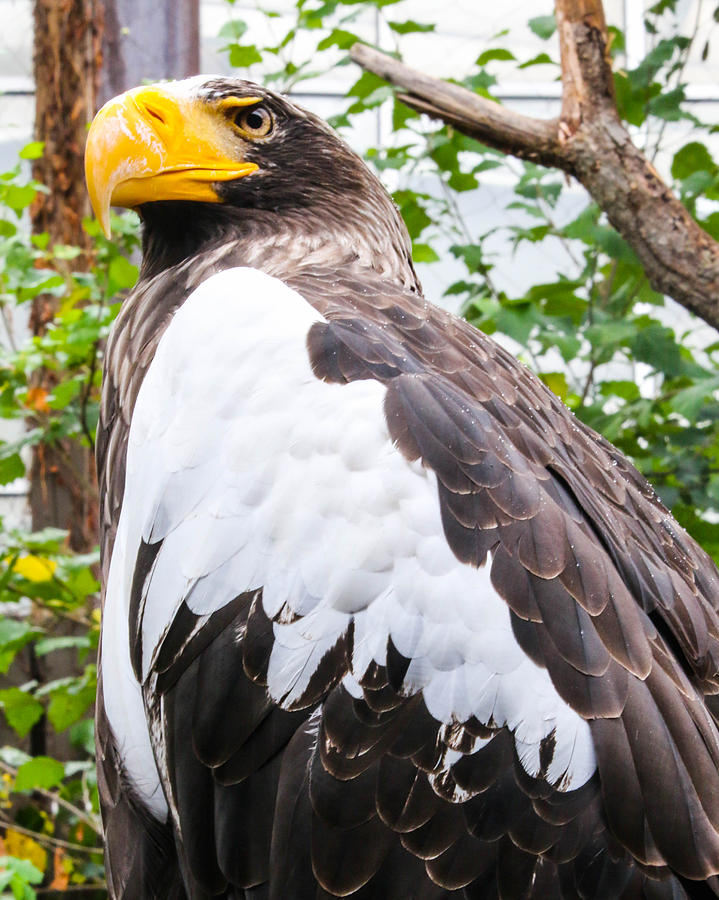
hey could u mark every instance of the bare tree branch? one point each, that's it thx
(587, 83)
(486, 120)
(589, 142)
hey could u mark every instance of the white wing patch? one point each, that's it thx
(255, 474)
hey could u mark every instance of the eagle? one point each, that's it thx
(382, 618)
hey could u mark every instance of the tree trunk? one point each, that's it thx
(67, 58)
(86, 51)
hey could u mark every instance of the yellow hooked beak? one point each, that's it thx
(152, 144)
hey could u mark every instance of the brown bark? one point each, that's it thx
(66, 66)
(589, 142)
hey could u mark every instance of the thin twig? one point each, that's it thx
(87, 390)
(8, 327)
(73, 888)
(45, 838)
(589, 382)
(679, 73)
(87, 818)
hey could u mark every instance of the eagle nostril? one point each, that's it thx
(155, 113)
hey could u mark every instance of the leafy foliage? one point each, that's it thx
(48, 595)
(624, 359)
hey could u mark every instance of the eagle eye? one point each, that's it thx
(256, 121)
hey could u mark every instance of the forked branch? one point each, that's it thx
(587, 141)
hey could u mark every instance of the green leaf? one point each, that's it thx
(66, 708)
(556, 382)
(81, 584)
(609, 334)
(473, 256)
(423, 253)
(401, 114)
(414, 215)
(540, 60)
(63, 394)
(711, 225)
(71, 699)
(65, 251)
(543, 26)
(693, 157)
(18, 197)
(365, 85)
(122, 274)
(632, 99)
(696, 184)
(409, 27)
(517, 321)
(480, 83)
(656, 346)
(627, 390)
(40, 772)
(82, 734)
(23, 869)
(617, 41)
(688, 402)
(497, 53)
(243, 56)
(33, 150)
(584, 227)
(614, 245)
(234, 29)
(667, 105)
(14, 635)
(566, 305)
(462, 181)
(338, 38)
(21, 709)
(11, 467)
(63, 642)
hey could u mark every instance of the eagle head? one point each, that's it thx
(231, 143)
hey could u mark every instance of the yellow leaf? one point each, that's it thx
(556, 382)
(24, 847)
(37, 399)
(35, 568)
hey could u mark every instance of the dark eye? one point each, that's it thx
(256, 121)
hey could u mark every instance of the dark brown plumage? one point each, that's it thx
(327, 792)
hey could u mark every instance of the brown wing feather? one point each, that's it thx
(140, 857)
(606, 584)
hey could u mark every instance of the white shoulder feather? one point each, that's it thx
(256, 474)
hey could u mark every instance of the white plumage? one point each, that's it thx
(293, 484)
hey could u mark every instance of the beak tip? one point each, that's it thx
(102, 214)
